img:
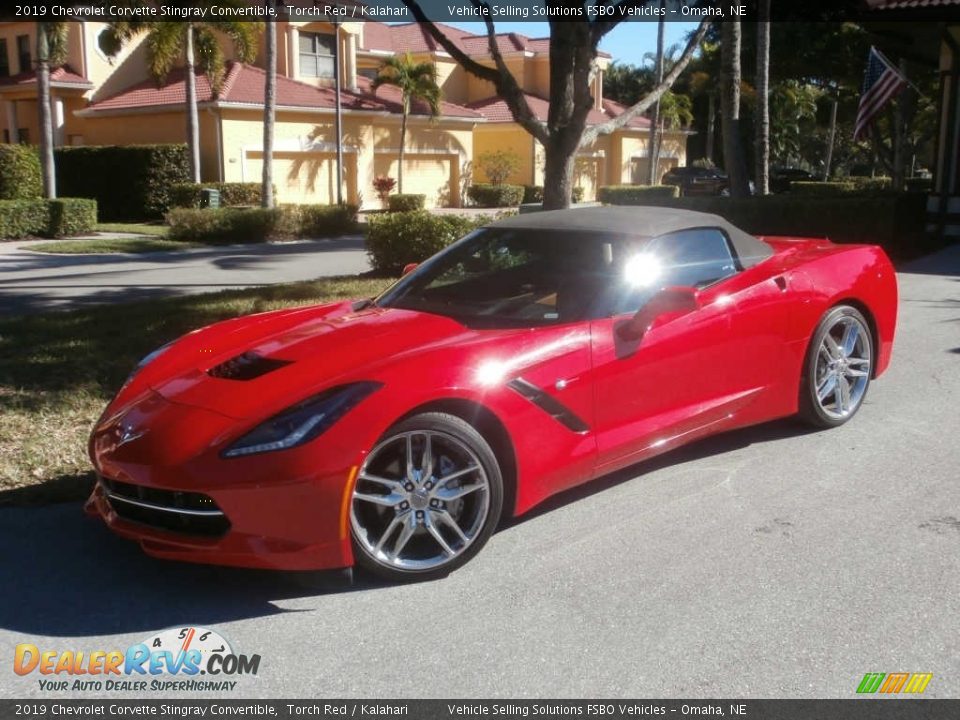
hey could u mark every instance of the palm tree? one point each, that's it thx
(653, 143)
(198, 45)
(730, 78)
(416, 81)
(51, 52)
(269, 110)
(763, 99)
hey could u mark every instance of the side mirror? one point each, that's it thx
(668, 304)
(409, 268)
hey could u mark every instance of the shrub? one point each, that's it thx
(498, 165)
(187, 195)
(49, 218)
(396, 239)
(71, 216)
(822, 189)
(532, 194)
(324, 220)
(229, 225)
(495, 196)
(20, 177)
(635, 194)
(405, 202)
(870, 185)
(923, 185)
(384, 186)
(129, 183)
(576, 195)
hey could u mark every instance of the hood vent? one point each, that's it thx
(248, 366)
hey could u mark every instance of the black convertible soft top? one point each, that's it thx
(641, 222)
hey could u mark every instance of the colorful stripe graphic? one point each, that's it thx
(894, 683)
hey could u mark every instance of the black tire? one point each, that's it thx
(812, 409)
(442, 427)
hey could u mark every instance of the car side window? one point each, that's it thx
(695, 258)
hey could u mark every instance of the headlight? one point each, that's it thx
(302, 422)
(147, 359)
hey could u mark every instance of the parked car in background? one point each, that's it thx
(697, 180)
(781, 178)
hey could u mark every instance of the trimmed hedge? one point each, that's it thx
(324, 220)
(405, 202)
(47, 218)
(187, 195)
(496, 196)
(635, 194)
(534, 194)
(130, 183)
(894, 220)
(395, 239)
(822, 189)
(255, 225)
(20, 175)
(228, 225)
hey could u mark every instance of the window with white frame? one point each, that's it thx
(316, 55)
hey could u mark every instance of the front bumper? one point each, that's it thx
(172, 493)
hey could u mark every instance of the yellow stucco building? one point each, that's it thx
(112, 101)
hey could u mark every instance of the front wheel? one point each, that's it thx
(426, 499)
(837, 369)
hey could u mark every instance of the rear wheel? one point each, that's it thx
(837, 369)
(426, 499)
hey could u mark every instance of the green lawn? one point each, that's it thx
(136, 228)
(58, 370)
(112, 245)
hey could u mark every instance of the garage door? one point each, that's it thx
(429, 175)
(304, 177)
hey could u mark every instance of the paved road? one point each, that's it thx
(768, 562)
(35, 282)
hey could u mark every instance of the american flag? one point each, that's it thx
(881, 83)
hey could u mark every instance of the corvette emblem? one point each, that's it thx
(128, 433)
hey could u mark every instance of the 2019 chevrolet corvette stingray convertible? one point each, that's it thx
(533, 355)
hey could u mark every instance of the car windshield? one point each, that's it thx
(526, 277)
(515, 277)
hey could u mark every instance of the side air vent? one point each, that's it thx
(247, 366)
(549, 404)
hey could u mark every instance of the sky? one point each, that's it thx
(627, 42)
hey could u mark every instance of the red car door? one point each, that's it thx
(678, 381)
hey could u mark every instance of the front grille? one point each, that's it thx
(187, 513)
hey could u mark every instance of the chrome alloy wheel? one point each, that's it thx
(843, 367)
(421, 498)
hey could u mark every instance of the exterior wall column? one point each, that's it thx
(293, 51)
(56, 108)
(350, 66)
(12, 120)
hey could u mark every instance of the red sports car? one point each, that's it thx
(533, 355)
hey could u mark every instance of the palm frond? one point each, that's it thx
(209, 56)
(164, 47)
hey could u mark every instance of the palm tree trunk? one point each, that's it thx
(269, 112)
(45, 115)
(711, 124)
(193, 121)
(763, 100)
(403, 142)
(730, 109)
(831, 136)
(654, 142)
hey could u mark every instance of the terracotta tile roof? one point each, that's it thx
(415, 38)
(495, 110)
(243, 84)
(64, 75)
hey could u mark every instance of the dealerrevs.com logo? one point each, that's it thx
(172, 660)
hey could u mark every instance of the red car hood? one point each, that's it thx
(312, 349)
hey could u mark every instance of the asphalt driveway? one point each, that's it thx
(768, 562)
(33, 282)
